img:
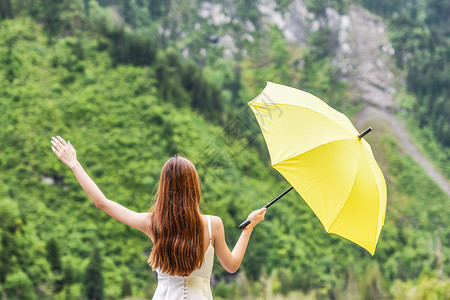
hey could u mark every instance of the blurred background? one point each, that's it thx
(131, 83)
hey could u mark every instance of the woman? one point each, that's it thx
(184, 241)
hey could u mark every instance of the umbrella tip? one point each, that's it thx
(362, 134)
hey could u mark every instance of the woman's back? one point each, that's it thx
(195, 286)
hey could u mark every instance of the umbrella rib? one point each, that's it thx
(341, 115)
(304, 191)
(352, 132)
(345, 202)
(379, 207)
(312, 149)
(341, 208)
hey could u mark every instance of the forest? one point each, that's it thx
(131, 83)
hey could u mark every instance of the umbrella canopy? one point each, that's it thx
(318, 151)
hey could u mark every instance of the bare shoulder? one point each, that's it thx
(216, 222)
(215, 219)
(217, 226)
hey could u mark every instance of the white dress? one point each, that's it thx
(196, 286)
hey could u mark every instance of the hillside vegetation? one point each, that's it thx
(127, 99)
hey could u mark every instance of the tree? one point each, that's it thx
(54, 258)
(51, 14)
(126, 287)
(93, 280)
(5, 9)
(68, 278)
(9, 214)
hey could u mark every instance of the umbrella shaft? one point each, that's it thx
(360, 136)
(278, 198)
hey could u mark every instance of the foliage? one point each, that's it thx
(126, 114)
(93, 279)
(426, 288)
(437, 152)
(424, 138)
(124, 131)
(420, 36)
(424, 53)
(19, 286)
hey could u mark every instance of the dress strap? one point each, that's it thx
(209, 227)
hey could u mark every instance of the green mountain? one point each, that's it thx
(131, 83)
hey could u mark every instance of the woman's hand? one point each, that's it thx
(256, 216)
(64, 151)
(231, 260)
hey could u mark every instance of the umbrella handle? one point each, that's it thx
(246, 222)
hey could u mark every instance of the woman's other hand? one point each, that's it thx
(231, 260)
(64, 151)
(256, 216)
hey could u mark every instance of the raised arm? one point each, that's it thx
(67, 154)
(231, 260)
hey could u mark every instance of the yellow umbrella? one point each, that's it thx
(322, 155)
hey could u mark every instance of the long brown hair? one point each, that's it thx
(175, 220)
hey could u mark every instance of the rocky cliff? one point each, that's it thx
(361, 51)
(364, 56)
